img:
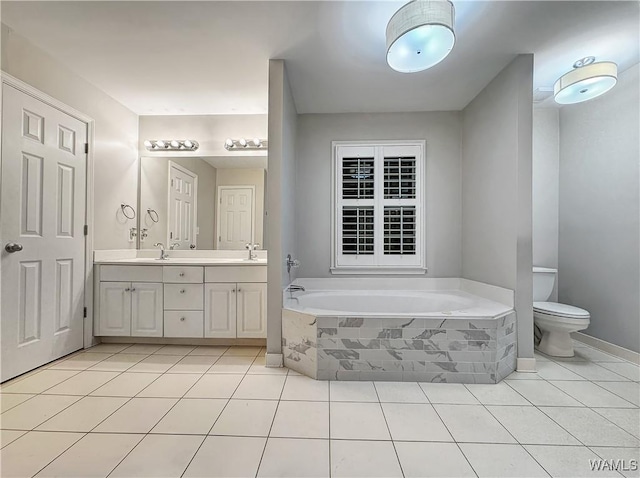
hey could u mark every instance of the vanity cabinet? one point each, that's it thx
(235, 310)
(131, 309)
(181, 301)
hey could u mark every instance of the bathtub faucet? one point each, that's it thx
(295, 288)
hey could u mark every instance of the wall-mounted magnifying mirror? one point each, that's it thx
(201, 202)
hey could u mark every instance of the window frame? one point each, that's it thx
(378, 263)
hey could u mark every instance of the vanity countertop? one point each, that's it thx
(183, 261)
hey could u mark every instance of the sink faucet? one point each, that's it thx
(163, 254)
(174, 245)
(252, 248)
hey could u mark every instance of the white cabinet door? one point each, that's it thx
(220, 310)
(146, 309)
(115, 308)
(252, 310)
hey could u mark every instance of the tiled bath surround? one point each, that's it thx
(456, 350)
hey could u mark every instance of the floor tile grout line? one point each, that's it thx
(580, 408)
(603, 458)
(514, 438)
(584, 406)
(617, 395)
(552, 382)
(613, 447)
(163, 416)
(329, 427)
(454, 439)
(219, 415)
(60, 454)
(606, 418)
(561, 363)
(384, 416)
(275, 413)
(18, 404)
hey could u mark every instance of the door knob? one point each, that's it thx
(12, 247)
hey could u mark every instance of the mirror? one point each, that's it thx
(201, 202)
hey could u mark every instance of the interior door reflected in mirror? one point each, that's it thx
(201, 202)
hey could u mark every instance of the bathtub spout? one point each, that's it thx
(295, 288)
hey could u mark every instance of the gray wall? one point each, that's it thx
(496, 185)
(546, 187)
(281, 204)
(599, 266)
(115, 151)
(441, 130)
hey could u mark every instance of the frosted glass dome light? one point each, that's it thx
(420, 35)
(586, 81)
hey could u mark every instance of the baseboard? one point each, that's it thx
(274, 360)
(184, 341)
(607, 347)
(527, 365)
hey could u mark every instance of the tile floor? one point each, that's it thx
(156, 411)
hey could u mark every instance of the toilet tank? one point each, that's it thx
(543, 280)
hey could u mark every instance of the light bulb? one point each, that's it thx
(175, 143)
(148, 144)
(256, 142)
(160, 144)
(228, 143)
(243, 143)
(188, 144)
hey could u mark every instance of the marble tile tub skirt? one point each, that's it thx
(454, 350)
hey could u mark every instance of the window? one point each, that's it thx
(378, 207)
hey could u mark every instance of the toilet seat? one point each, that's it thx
(561, 311)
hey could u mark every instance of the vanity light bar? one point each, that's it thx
(245, 144)
(171, 144)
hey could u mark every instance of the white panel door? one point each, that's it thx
(183, 204)
(235, 218)
(115, 309)
(146, 309)
(219, 310)
(42, 213)
(252, 310)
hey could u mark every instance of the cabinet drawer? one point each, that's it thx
(131, 273)
(183, 274)
(183, 323)
(183, 297)
(235, 274)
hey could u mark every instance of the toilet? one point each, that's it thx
(556, 321)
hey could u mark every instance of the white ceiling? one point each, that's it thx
(160, 57)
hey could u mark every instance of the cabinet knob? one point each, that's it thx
(127, 289)
(182, 319)
(133, 290)
(233, 290)
(239, 289)
(182, 291)
(182, 274)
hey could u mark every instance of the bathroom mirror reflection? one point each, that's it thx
(201, 202)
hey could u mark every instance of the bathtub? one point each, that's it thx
(437, 330)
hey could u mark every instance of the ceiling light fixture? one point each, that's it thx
(171, 144)
(586, 81)
(245, 145)
(420, 35)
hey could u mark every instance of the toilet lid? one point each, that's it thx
(561, 310)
